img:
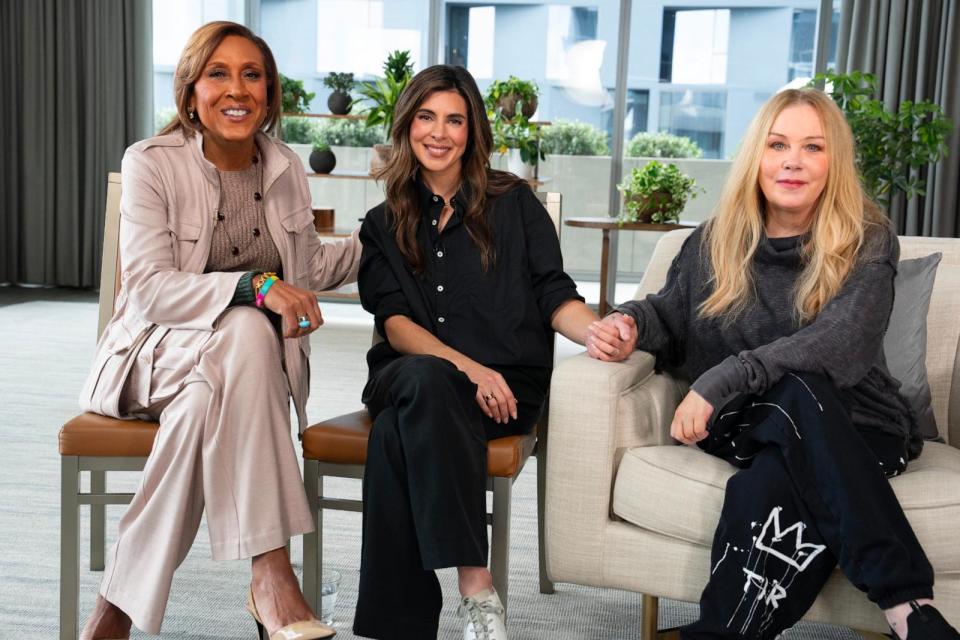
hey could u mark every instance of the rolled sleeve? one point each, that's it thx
(380, 292)
(551, 285)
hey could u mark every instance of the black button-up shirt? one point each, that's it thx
(500, 317)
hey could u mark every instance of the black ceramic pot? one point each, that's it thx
(339, 103)
(323, 161)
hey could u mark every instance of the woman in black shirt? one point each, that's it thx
(462, 270)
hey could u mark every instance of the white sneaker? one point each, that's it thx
(483, 615)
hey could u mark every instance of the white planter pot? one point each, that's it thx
(517, 166)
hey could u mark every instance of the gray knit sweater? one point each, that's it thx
(844, 342)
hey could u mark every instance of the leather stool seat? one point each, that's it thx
(343, 440)
(90, 434)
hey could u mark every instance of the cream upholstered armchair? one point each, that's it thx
(627, 508)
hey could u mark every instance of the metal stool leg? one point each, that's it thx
(69, 547)
(313, 542)
(500, 539)
(546, 585)
(98, 517)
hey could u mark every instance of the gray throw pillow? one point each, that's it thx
(905, 343)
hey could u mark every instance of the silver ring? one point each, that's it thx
(489, 397)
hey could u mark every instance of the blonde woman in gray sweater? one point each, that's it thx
(775, 309)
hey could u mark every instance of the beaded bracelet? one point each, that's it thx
(260, 278)
(262, 291)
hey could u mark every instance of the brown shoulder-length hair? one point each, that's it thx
(400, 172)
(201, 45)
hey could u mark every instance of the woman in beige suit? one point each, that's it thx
(219, 260)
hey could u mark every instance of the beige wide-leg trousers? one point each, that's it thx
(224, 444)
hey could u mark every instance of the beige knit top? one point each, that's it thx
(241, 239)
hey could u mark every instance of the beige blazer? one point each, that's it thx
(168, 205)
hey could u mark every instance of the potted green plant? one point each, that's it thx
(892, 147)
(339, 101)
(294, 99)
(506, 94)
(656, 193)
(520, 139)
(662, 145)
(382, 95)
(297, 130)
(322, 159)
(298, 133)
(343, 132)
(574, 138)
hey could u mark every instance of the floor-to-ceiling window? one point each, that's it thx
(312, 38)
(698, 69)
(568, 48)
(707, 66)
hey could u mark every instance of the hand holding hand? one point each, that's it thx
(689, 424)
(292, 304)
(613, 338)
(494, 396)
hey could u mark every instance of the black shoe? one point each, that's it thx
(926, 623)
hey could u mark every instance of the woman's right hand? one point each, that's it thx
(291, 303)
(691, 418)
(494, 396)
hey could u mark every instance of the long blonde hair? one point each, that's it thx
(840, 217)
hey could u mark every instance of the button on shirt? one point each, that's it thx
(500, 317)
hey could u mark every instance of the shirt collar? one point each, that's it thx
(431, 203)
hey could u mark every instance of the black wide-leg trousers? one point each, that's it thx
(812, 492)
(424, 487)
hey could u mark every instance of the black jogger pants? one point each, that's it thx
(424, 487)
(812, 492)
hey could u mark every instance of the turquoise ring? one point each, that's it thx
(304, 322)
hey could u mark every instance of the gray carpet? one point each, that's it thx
(48, 339)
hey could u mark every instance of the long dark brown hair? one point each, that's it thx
(400, 172)
(201, 45)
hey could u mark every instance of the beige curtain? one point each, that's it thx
(913, 47)
(77, 90)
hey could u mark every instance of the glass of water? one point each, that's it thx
(329, 585)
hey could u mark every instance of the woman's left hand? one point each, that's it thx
(494, 395)
(293, 304)
(689, 424)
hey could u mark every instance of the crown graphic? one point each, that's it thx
(800, 555)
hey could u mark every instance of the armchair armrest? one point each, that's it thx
(597, 411)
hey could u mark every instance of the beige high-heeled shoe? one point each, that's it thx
(304, 630)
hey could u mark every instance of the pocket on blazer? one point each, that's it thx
(297, 220)
(185, 233)
(297, 224)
